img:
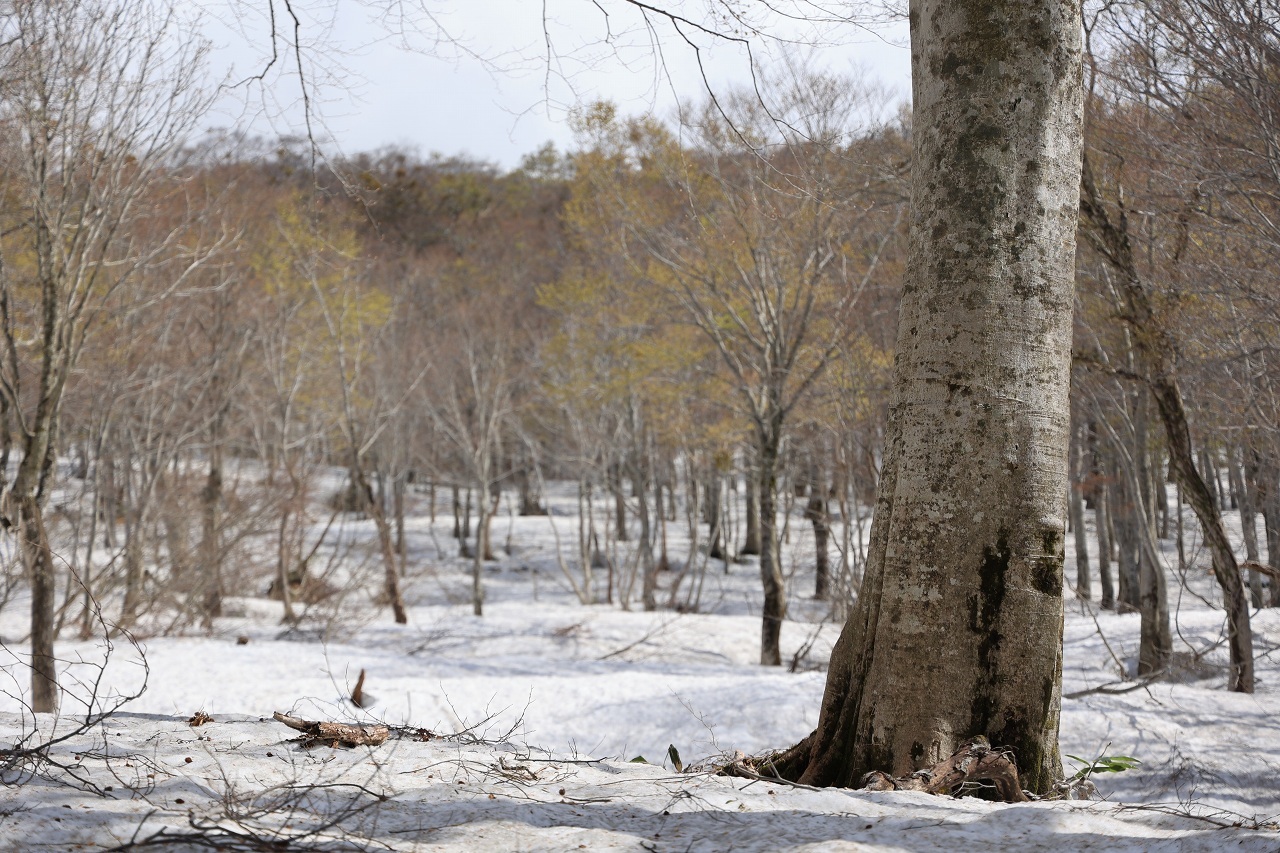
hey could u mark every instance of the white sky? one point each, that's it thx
(379, 88)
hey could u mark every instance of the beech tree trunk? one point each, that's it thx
(958, 630)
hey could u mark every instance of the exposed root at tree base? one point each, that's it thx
(975, 762)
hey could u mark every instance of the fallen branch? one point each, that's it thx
(335, 734)
(740, 769)
(1261, 568)
(648, 636)
(1115, 688)
(975, 761)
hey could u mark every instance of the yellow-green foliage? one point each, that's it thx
(324, 310)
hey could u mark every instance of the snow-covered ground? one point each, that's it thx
(553, 699)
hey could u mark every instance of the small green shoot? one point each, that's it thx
(1103, 764)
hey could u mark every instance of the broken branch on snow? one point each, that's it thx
(335, 734)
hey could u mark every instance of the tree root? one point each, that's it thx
(975, 761)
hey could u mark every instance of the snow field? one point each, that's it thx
(552, 695)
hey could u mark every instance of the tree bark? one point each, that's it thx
(958, 630)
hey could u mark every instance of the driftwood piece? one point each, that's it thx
(975, 761)
(335, 734)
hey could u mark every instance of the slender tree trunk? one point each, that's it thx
(751, 542)
(466, 518)
(390, 572)
(39, 560)
(1157, 354)
(590, 541)
(1102, 520)
(1241, 488)
(398, 486)
(457, 512)
(135, 546)
(664, 561)
(816, 511)
(1269, 505)
(1084, 587)
(283, 559)
(775, 590)
(110, 493)
(1126, 537)
(958, 628)
(89, 612)
(714, 516)
(619, 503)
(1150, 587)
(648, 568)
(210, 548)
(477, 560)
(494, 494)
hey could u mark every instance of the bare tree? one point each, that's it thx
(97, 98)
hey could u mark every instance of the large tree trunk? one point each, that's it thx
(958, 630)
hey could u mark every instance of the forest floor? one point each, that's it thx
(517, 730)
